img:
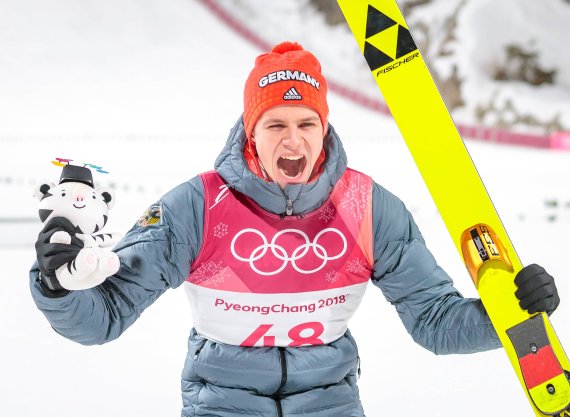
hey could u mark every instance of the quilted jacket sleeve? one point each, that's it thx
(153, 258)
(435, 314)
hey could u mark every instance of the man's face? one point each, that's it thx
(289, 139)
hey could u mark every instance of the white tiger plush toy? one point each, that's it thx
(87, 207)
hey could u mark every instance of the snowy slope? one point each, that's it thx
(149, 90)
(469, 36)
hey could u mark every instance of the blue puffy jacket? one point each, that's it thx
(229, 381)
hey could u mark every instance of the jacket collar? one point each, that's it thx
(304, 198)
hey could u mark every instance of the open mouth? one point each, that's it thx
(79, 207)
(291, 166)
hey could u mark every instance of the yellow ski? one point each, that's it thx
(461, 198)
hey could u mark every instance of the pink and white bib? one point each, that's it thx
(264, 280)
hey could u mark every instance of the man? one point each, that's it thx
(276, 248)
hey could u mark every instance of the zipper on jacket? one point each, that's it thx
(289, 207)
(279, 409)
(197, 352)
(277, 396)
(283, 361)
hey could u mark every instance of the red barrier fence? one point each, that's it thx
(558, 140)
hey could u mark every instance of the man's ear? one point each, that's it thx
(42, 190)
(108, 196)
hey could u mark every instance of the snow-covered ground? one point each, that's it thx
(149, 90)
(470, 37)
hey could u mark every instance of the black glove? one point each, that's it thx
(53, 255)
(536, 290)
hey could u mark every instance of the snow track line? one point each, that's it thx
(480, 133)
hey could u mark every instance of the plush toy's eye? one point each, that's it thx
(94, 198)
(63, 194)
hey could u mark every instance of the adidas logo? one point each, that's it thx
(292, 94)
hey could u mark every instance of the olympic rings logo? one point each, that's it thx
(281, 253)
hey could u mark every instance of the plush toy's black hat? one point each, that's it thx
(74, 173)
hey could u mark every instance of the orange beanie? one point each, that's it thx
(286, 75)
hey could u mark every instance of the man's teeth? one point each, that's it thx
(291, 166)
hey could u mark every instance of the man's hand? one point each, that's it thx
(51, 256)
(536, 290)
